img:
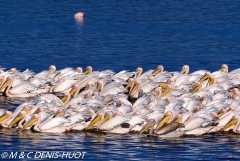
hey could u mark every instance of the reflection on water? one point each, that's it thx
(109, 146)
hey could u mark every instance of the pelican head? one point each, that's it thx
(26, 108)
(151, 79)
(13, 70)
(88, 70)
(79, 16)
(100, 85)
(89, 85)
(177, 119)
(221, 112)
(130, 83)
(52, 68)
(167, 90)
(38, 110)
(19, 117)
(212, 80)
(138, 71)
(70, 107)
(185, 69)
(232, 122)
(33, 120)
(79, 69)
(170, 81)
(158, 92)
(149, 125)
(74, 90)
(204, 77)
(90, 111)
(60, 113)
(87, 95)
(197, 87)
(159, 69)
(135, 88)
(235, 91)
(7, 82)
(66, 97)
(119, 103)
(5, 115)
(1, 80)
(224, 68)
(166, 119)
(107, 116)
(97, 118)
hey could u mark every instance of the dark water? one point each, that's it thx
(120, 35)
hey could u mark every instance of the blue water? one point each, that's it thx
(120, 35)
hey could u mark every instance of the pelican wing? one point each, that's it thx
(201, 72)
(161, 77)
(66, 71)
(140, 101)
(113, 122)
(17, 81)
(144, 75)
(106, 73)
(76, 118)
(124, 108)
(147, 87)
(136, 120)
(125, 75)
(156, 115)
(22, 89)
(28, 73)
(45, 115)
(50, 98)
(83, 82)
(122, 99)
(64, 85)
(182, 78)
(55, 122)
(114, 90)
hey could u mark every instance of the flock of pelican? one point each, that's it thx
(161, 103)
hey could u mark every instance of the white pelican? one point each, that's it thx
(83, 125)
(130, 84)
(19, 119)
(116, 122)
(165, 129)
(25, 75)
(159, 69)
(223, 120)
(235, 120)
(9, 116)
(112, 88)
(40, 79)
(224, 68)
(194, 124)
(1, 112)
(139, 75)
(4, 118)
(146, 87)
(79, 16)
(50, 126)
(22, 90)
(124, 75)
(185, 69)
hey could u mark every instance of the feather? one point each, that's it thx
(113, 122)
(55, 122)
